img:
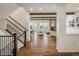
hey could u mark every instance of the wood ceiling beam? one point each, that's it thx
(42, 13)
(42, 17)
(70, 13)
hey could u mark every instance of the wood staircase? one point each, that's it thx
(9, 44)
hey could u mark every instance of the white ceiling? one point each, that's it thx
(46, 7)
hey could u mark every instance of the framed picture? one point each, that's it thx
(77, 19)
(71, 23)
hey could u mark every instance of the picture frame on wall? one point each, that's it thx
(72, 24)
(77, 21)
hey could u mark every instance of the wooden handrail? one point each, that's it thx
(70, 13)
(20, 35)
(5, 36)
(21, 41)
(9, 31)
(17, 22)
(14, 25)
(16, 37)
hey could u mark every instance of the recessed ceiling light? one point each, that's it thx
(77, 8)
(40, 9)
(31, 9)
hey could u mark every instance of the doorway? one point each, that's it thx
(43, 32)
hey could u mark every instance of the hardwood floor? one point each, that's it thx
(43, 47)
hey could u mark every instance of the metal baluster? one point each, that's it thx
(0, 46)
(4, 45)
(7, 46)
(10, 45)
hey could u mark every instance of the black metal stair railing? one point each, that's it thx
(7, 45)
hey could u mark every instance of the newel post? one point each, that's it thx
(15, 45)
(24, 38)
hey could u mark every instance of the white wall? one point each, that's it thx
(2, 33)
(66, 42)
(5, 10)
